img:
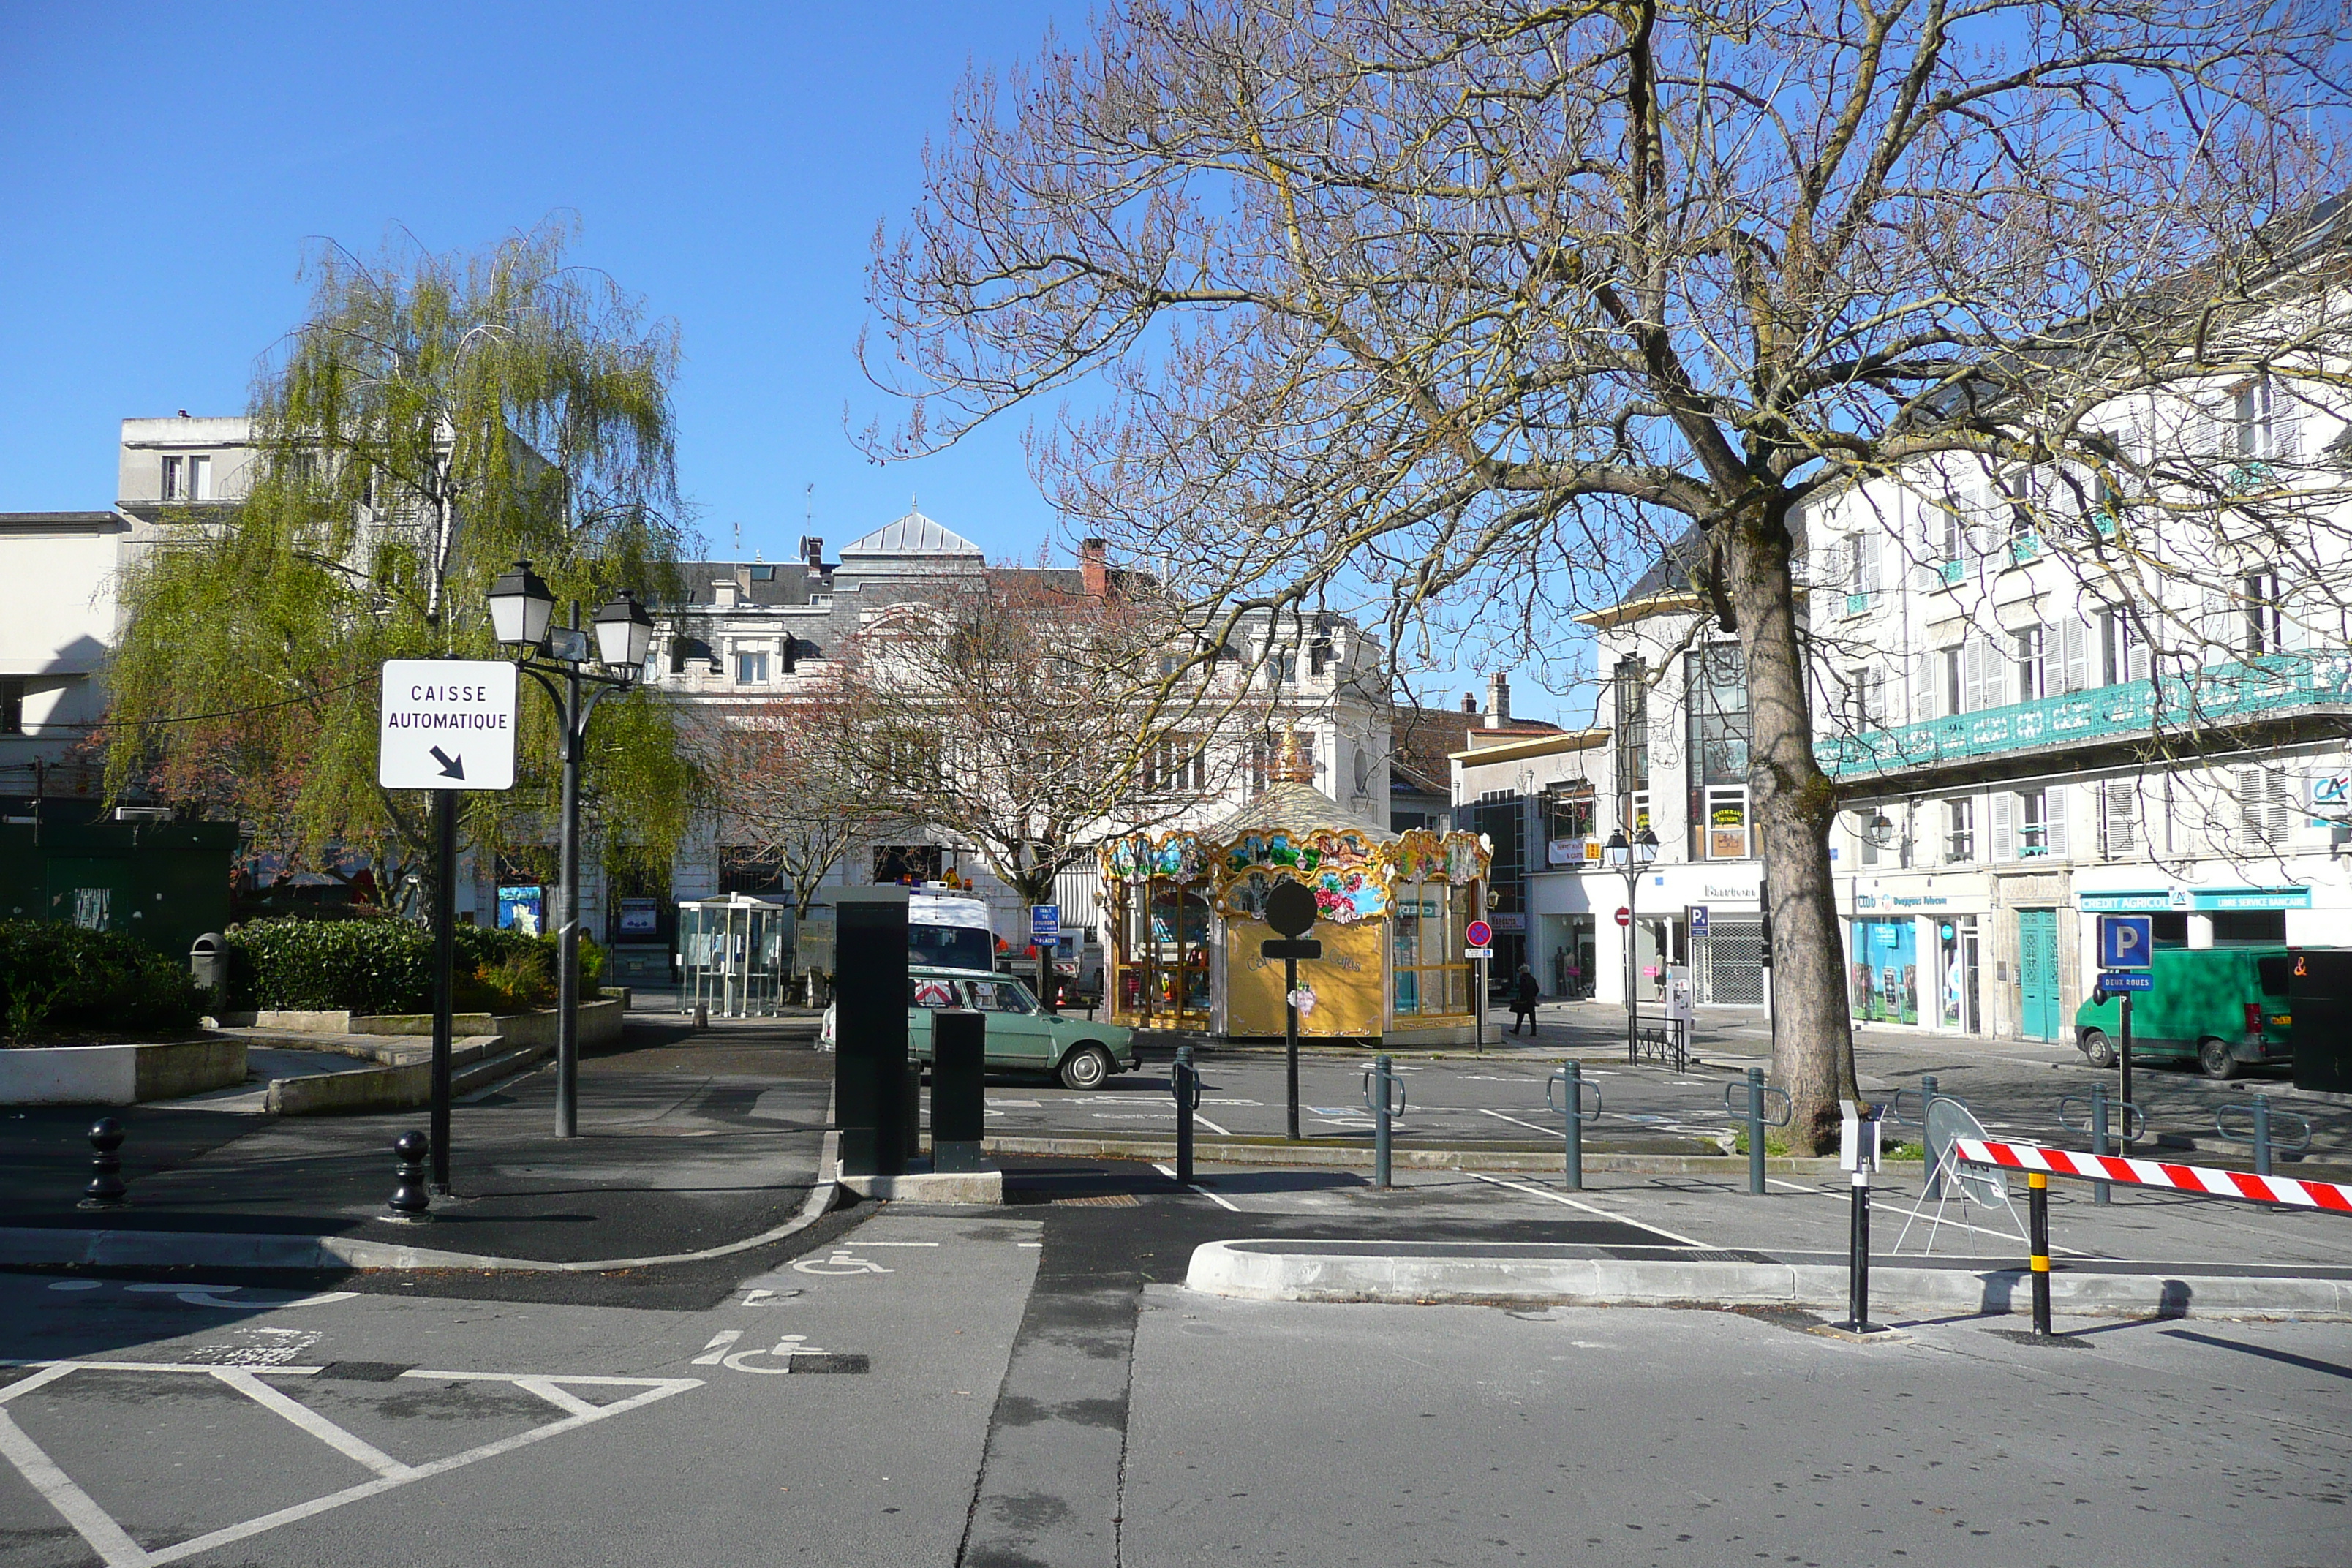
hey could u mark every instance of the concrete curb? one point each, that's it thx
(1276, 1151)
(1491, 1274)
(219, 1249)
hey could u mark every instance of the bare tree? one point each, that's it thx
(782, 775)
(1472, 301)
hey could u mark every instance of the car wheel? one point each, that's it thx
(2097, 1050)
(2214, 1057)
(1086, 1067)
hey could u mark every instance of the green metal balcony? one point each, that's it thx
(2216, 697)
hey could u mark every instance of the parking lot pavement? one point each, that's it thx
(213, 1423)
(1455, 1101)
(1276, 1432)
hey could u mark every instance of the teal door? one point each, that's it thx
(2037, 971)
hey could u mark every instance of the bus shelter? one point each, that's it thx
(1185, 918)
(735, 953)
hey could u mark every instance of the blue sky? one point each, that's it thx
(164, 169)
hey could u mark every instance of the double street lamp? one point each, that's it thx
(521, 608)
(1630, 858)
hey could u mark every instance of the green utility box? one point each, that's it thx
(165, 883)
(2220, 1006)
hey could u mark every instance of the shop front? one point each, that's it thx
(1919, 950)
(1706, 916)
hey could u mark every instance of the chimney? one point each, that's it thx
(813, 551)
(1498, 700)
(1470, 702)
(1094, 567)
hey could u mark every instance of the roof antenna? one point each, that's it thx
(808, 504)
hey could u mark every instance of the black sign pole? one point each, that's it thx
(1290, 1036)
(2123, 1056)
(444, 943)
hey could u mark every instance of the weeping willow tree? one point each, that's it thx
(433, 420)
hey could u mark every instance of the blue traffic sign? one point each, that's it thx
(1045, 924)
(2126, 979)
(2126, 942)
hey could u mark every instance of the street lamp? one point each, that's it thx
(1630, 858)
(522, 606)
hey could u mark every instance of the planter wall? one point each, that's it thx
(117, 1074)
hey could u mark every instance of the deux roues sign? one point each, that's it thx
(447, 724)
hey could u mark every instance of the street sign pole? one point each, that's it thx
(445, 950)
(2123, 1060)
(1290, 910)
(1290, 1036)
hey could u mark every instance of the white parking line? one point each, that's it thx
(716, 1351)
(114, 1548)
(349, 1444)
(1170, 1173)
(1210, 1125)
(1545, 1131)
(1588, 1208)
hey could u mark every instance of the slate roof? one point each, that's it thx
(1295, 808)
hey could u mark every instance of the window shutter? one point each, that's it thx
(2286, 420)
(2263, 807)
(2054, 801)
(1865, 564)
(1926, 685)
(2117, 820)
(2074, 655)
(2004, 831)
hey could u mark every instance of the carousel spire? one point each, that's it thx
(1293, 766)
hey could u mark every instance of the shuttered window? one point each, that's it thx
(2263, 814)
(2118, 819)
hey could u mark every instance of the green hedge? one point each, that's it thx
(386, 966)
(55, 976)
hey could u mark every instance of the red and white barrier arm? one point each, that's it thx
(2156, 1174)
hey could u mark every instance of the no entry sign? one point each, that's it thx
(1625, 916)
(448, 723)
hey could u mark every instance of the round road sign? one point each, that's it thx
(1625, 916)
(1479, 933)
(1290, 908)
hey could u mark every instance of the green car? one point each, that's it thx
(2222, 1007)
(1022, 1037)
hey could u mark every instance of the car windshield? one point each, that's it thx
(1002, 997)
(951, 947)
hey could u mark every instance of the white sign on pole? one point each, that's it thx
(448, 723)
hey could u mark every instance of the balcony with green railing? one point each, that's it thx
(2218, 697)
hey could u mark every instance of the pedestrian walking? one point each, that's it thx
(1523, 1000)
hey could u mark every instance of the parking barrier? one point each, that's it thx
(106, 1190)
(2093, 1114)
(2249, 1186)
(2260, 1113)
(1569, 1106)
(1758, 1091)
(1381, 1085)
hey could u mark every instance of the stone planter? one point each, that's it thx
(117, 1074)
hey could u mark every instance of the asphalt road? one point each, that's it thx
(1039, 1390)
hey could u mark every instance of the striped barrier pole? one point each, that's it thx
(2037, 1210)
(2245, 1185)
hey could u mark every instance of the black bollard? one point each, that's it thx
(2037, 1214)
(106, 1190)
(411, 1202)
(1184, 1079)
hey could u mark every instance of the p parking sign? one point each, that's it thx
(2126, 942)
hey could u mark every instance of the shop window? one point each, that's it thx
(2249, 928)
(1726, 824)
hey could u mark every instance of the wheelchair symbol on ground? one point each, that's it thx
(260, 1383)
(841, 1262)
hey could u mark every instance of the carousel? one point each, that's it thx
(1185, 912)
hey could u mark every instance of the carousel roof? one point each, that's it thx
(1290, 806)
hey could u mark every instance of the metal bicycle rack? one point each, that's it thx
(1568, 1105)
(2092, 1110)
(1759, 1094)
(2260, 1113)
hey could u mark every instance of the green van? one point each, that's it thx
(1022, 1036)
(2219, 1006)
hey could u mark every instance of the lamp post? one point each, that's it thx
(521, 606)
(1630, 858)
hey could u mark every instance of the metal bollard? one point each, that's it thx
(2264, 1132)
(1756, 1131)
(105, 1190)
(2099, 1190)
(1570, 1080)
(1380, 1080)
(2038, 1218)
(1184, 1082)
(411, 1203)
(2262, 1135)
(1858, 1262)
(1935, 1187)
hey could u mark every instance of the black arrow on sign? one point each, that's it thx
(451, 767)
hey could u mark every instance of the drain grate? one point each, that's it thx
(1106, 1201)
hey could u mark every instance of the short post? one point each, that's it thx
(1858, 1152)
(106, 1190)
(2037, 1185)
(959, 1089)
(1756, 1131)
(1185, 1081)
(411, 1203)
(1376, 1087)
(2099, 1190)
(1935, 1168)
(2262, 1135)
(1571, 1079)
